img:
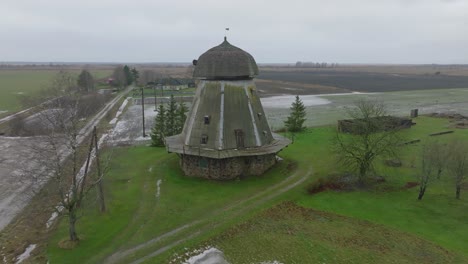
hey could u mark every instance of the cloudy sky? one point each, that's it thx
(344, 31)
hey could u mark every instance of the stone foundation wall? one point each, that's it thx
(226, 169)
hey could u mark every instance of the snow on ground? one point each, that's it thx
(285, 101)
(79, 176)
(158, 190)
(209, 255)
(130, 126)
(120, 111)
(25, 254)
(14, 188)
(3, 111)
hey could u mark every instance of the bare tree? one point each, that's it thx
(432, 163)
(60, 152)
(120, 77)
(372, 137)
(457, 164)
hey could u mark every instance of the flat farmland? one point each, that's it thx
(17, 83)
(324, 109)
(366, 81)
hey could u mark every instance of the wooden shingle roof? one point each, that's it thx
(225, 61)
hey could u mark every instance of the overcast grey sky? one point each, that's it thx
(345, 31)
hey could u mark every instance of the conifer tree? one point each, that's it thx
(171, 116)
(85, 81)
(181, 117)
(128, 75)
(158, 131)
(296, 119)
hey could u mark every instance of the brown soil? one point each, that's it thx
(410, 185)
(273, 87)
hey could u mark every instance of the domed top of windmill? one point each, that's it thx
(225, 62)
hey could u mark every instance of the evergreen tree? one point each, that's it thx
(296, 119)
(180, 117)
(135, 75)
(171, 117)
(128, 75)
(85, 81)
(158, 131)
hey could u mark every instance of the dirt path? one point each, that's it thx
(235, 209)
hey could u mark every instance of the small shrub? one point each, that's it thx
(323, 184)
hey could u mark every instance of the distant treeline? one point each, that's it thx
(301, 64)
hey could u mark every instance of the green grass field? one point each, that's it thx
(17, 83)
(135, 213)
(384, 222)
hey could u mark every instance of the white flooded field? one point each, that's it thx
(327, 108)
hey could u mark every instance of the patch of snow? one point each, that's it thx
(208, 256)
(150, 169)
(54, 216)
(3, 111)
(19, 93)
(158, 184)
(80, 176)
(141, 138)
(119, 111)
(26, 254)
(271, 262)
(285, 101)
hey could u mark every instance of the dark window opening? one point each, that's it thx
(206, 120)
(204, 139)
(259, 115)
(239, 138)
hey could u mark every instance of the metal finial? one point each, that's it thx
(225, 37)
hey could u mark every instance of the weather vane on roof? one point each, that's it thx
(225, 35)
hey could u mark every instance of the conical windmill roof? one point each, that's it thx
(225, 61)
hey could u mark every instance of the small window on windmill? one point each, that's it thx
(264, 133)
(259, 115)
(239, 138)
(206, 120)
(204, 139)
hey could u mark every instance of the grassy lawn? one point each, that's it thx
(16, 83)
(439, 217)
(289, 233)
(363, 226)
(135, 213)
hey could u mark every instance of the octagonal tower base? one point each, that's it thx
(228, 168)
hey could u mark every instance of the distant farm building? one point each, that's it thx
(173, 84)
(226, 134)
(355, 126)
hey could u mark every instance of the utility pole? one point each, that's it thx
(143, 109)
(155, 100)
